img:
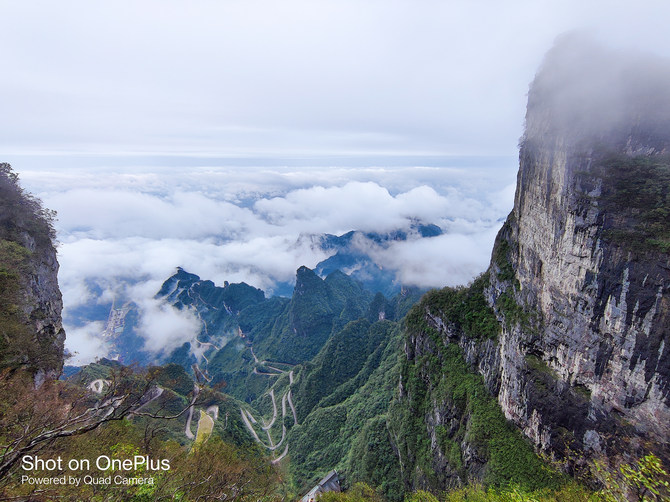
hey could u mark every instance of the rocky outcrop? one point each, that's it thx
(32, 330)
(588, 245)
(579, 286)
(43, 307)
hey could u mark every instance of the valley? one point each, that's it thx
(545, 378)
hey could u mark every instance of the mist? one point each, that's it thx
(128, 238)
(227, 137)
(585, 90)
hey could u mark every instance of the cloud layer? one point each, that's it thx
(296, 76)
(192, 138)
(116, 233)
(127, 233)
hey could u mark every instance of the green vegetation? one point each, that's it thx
(360, 492)
(514, 313)
(347, 431)
(16, 340)
(437, 381)
(465, 308)
(644, 481)
(508, 456)
(26, 230)
(340, 360)
(636, 201)
(506, 303)
(226, 465)
(571, 492)
(501, 257)
(172, 376)
(538, 365)
(317, 309)
(21, 213)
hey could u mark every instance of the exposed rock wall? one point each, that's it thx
(33, 334)
(44, 304)
(579, 283)
(584, 259)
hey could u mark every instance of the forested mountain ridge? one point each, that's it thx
(240, 328)
(317, 370)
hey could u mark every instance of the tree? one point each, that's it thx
(33, 419)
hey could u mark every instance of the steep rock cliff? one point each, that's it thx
(579, 288)
(588, 244)
(31, 303)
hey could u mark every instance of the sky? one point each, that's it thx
(224, 136)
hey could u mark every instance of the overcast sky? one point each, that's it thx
(221, 135)
(286, 77)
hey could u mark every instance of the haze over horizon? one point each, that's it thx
(221, 136)
(262, 78)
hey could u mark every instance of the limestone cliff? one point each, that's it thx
(588, 244)
(31, 330)
(579, 284)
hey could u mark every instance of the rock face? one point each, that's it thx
(33, 334)
(588, 244)
(44, 306)
(579, 283)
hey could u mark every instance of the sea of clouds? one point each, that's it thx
(124, 231)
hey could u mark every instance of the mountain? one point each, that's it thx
(567, 335)
(241, 330)
(173, 438)
(318, 308)
(354, 255)
(220, 308)
(31, 303)
(175, 387)
(316, 372)
(342, 398)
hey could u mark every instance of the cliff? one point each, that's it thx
(30, 302)
(588, 243)
(569, 330)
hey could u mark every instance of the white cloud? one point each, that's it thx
(295, 76)
(128, 237)
(85, 343)
(165, 328)
(116, 236)
(101, 214)
(446, 260)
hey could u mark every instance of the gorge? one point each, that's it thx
(550, 365)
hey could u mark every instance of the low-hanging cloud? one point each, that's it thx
(85, 343)
(445, 260)
(165, 328)
(123, 242)
(105, 213)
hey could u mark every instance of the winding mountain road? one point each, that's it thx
(271, 368)
(249, 419)
(274, 412)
